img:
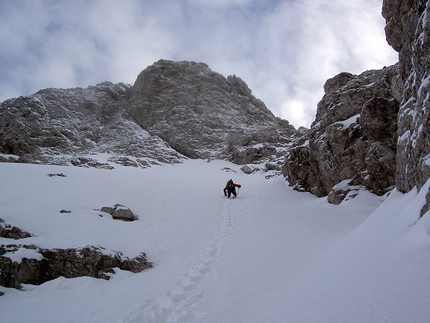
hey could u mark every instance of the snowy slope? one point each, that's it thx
(271, 255)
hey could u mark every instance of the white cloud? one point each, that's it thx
(284, 50)
(219, 3)
(325, 39)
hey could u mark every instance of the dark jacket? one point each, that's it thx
(226, 188)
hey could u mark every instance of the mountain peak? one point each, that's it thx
(199, 112)
(173, 111)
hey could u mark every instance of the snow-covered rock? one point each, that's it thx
(174, 110)
(32, 265)
(12, 232)
(66, 126)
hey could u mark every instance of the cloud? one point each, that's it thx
(284, 50)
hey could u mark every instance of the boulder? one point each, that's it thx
(12, 232)
(342, 192)
(246, 169)
(120, 212)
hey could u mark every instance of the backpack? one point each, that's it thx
(230, 184)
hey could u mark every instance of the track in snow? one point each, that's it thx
(177, 304)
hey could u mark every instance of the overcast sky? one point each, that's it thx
(283, 49)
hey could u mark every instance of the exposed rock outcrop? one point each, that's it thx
(12, 232)
(202, 114)
(373, 129)
(353, 137)
(41, 265)
(62, 126)
(174, 110)
(29, 264)
(408, 32)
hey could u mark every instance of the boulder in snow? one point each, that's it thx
(120, 212)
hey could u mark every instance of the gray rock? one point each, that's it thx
(89, 162)
(247, 170)
(426, 207)
(69, 263)
(389, 142)
(200, 113)
(124, 214)
(120, 212)
(12, 232)
(62, 126)
(174, 110)
(249, 155)
(108, 209)
(58, 174)
(407, 31)
(343, 192)
(336, 82)
(353, 137)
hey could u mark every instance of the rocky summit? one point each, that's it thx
(202, 114)
(174, 111)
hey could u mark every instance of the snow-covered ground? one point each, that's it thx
(271, 255)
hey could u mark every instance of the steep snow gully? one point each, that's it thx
(271, 255)
(177, 303)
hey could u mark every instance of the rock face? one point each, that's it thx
(373, 129)
(174, 110)
(200, 113)
(353, 137)
(54, 263)
(29, 264)
(61, 126)
(407, 31)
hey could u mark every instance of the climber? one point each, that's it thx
(230, 188)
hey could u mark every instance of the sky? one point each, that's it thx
(284, 50)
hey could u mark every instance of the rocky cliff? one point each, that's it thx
(372, 130)
(202, 114)
(175, 110)
(68, 126)
(407, 31)
(353, 138)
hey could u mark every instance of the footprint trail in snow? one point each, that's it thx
(177, 305)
